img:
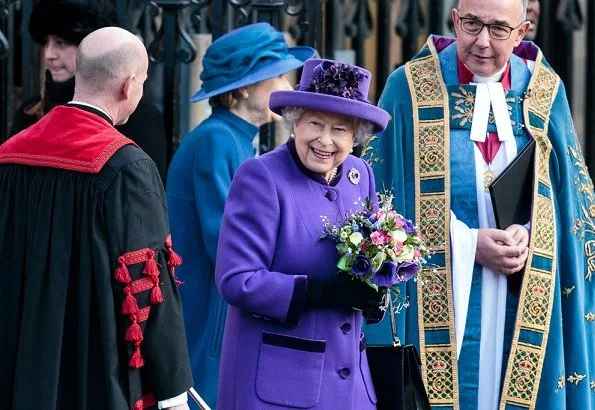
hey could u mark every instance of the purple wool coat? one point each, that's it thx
(276, 355)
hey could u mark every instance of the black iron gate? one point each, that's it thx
(364, 32)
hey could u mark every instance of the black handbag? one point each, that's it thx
(396, 374)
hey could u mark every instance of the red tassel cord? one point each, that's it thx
(122, 275)
(134, 332)
(136, 361)
(151, 269)
(174, 259)
(129, 306)
(156, 295)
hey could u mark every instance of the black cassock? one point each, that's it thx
(91, 314)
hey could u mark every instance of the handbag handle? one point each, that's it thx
(393, 325)
(199, 400)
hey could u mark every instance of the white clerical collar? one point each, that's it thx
(490, 94)
(92, 106)
(495, 78)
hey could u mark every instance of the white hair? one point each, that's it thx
(524, 4)
(363, 128)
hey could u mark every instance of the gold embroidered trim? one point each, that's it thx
(525, 363)
(432, 213)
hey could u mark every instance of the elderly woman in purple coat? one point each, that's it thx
(292, 336)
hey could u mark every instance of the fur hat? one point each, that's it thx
(70, 19)
(332, 86)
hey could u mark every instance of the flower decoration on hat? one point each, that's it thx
(334, 78)
(335, 87)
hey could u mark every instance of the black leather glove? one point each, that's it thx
(343, 291)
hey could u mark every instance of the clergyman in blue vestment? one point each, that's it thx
(462, 110)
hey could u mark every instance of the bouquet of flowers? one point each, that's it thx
(377, 245)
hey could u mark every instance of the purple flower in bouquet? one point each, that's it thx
(407, 270)
(361, 266)
(408, 227)
(386, 275)
(391, 273)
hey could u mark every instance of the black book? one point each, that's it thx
(512, 190)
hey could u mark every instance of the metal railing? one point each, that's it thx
(327, 25)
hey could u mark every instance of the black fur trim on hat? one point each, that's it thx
(69, 19)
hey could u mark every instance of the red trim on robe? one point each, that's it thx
(131, 287)
(174, 260)
(66, 138)
(147, 400)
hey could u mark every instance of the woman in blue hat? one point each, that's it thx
(240, 70)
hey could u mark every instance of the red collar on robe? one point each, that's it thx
(67, 138)
(466, 76)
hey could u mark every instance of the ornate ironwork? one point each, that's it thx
(410, 25)
(242, 7)
(4, 15)
(297, 9)
(358, 26)
(196, 18)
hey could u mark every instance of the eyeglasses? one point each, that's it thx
(496, 31)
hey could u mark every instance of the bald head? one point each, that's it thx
(109, 62)
(522, 4)
(106, 57)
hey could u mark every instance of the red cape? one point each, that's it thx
(68, 138)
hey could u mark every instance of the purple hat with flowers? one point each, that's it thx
(332, 86)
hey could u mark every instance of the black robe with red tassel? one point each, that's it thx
(91, 314)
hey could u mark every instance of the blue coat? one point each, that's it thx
(275, 355)
(198, 181)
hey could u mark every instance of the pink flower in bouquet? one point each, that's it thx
(399, 223)
(393, 215)
(417, 253)
(377, 238)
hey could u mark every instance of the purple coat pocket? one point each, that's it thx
(290, 370)
(365, 369)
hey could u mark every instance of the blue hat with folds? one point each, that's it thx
(245, 56)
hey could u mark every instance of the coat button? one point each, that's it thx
(346, 328)
(331, 195)
(344, 373)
